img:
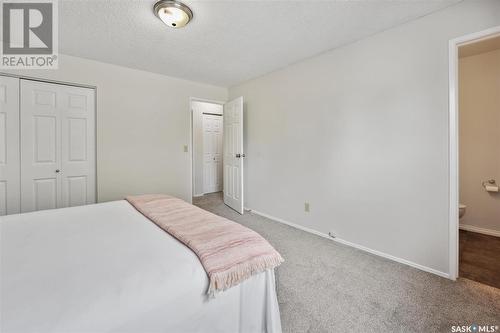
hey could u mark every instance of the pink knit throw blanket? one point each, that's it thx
(229, 252)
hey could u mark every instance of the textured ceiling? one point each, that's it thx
(227, 42)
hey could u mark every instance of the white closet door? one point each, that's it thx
(9, 146)
(212, 153)
(57, 146)
(78, 166)
(40, 146)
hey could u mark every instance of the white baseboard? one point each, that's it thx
(357, 246)
(198, 195)
(484, 231)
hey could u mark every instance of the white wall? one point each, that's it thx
(361, 132)
(198, 108)
(143, 123)
(479, 82)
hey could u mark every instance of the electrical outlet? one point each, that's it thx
(306, 207)
(186, 148)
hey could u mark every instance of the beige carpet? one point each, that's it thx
(327, 287)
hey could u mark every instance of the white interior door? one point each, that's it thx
(9, 146)
(212, 153)
(57, 146)
(233, 154)
(78, 164)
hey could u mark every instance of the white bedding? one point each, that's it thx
(106, 268)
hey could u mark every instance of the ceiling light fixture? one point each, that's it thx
(173, 13)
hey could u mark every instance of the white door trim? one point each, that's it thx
(190, 145)
(33, 78)
(453, 140)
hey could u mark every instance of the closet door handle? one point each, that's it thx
(57, 170)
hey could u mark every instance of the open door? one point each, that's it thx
(233, 154)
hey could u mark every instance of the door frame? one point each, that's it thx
(191, 143)
(453, 148)
(72, 84)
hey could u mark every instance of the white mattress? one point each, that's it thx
(106, 268)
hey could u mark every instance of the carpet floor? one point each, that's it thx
(324, 286)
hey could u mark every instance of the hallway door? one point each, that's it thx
(212, 153)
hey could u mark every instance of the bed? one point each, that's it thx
(107, 268)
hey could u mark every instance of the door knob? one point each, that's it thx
(240, 155)
(57, 170)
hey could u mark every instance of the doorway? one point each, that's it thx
(475, 157)
(217, 141)
(207, 129)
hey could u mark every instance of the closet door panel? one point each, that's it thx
(9, 146)
(78, 146)
(40, 146)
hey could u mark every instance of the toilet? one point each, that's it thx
(461, 210)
